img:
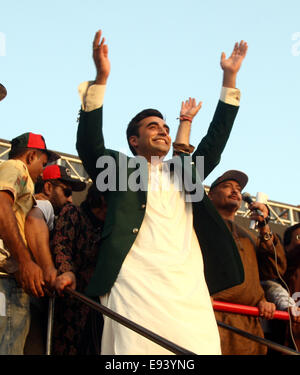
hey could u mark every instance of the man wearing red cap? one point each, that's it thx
(54, 190)
(27, 158)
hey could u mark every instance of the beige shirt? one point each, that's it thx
(15, 178)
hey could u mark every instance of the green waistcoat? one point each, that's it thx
(126, 208)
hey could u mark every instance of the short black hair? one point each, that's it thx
(16, 153)
(287, 237)
(134, 124)
(39, 185)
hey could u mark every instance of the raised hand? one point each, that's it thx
(190, 108)
(188, 111)
(100, 56)
(232, 65)
(234, 61)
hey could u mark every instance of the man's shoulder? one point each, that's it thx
(44, 205)
(69, 209)
(14, 177)
(14, 165)
(47, 210)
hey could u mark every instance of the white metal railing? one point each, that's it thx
(280, 213)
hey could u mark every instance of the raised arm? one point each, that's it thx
(213, 144)
(232, 65)
(101, 60)
(90, 141)
(188, 111)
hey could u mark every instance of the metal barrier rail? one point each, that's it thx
(174, 348)
(246, 310)
(272, 345)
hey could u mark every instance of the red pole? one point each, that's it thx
(246, 310)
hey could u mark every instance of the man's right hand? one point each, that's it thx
(30, 277)
(64, 280)
(100, 56)
(50, 274)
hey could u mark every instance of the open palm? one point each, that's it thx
(234, 61)
(190, 108)
(100, 56)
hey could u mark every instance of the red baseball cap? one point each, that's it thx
(36, 141)
(58, 172)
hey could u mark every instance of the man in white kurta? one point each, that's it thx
(161, 284)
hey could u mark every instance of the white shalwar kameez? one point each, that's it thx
(161, 284)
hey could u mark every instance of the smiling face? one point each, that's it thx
(226, 196)
(153, 138)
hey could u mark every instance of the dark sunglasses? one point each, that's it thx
(66, 190)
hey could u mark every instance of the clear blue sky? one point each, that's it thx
(161, 52)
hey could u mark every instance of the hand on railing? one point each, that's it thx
(266, 309)
(66, 279)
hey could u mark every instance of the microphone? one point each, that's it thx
(248, 199)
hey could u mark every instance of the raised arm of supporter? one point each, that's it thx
(230, 67)
(29, 274)
(188, 111)
(37, 236)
